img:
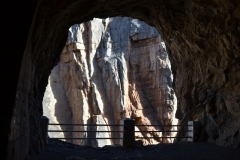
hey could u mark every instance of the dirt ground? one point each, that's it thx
(59, 150)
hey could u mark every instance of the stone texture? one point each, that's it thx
(111, 69)
(56, 103)
(201, 37)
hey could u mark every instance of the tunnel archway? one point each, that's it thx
(202, 39)
(111, 69)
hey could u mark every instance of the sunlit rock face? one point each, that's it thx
(112, 69)
(56, 105)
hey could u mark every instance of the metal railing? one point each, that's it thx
(165, 131)
(127, 130)
(88, 125)
(51, 124)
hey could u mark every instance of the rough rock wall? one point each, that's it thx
(198, 34)
(56, 105)
(205, 63)
(111, 69)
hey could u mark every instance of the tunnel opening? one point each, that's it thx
(111, 69)
(203, 42)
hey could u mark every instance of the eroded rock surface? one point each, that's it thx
(202, 39)
(112, 69)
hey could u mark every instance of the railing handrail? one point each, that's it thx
(128, 134)
(87, 138)
(161, 137)
(163, 125)
(165, 131)
(114, 124)
(118, 131)
(79, 131)
(85, 124)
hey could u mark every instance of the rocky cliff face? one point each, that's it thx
(111, 69)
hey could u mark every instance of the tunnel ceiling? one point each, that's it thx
(202, 39)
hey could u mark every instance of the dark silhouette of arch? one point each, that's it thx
(195, 32)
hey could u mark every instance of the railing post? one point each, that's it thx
(128, 133)
(44, 127)
(194, 128)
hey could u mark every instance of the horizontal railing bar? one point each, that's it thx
(160, 137)
(113, 131)
(164, 125)
(80, 131)
(113, 125)
(163, 131)
(86, 138)
(86, 124)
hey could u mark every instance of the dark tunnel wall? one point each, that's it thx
(16, 19)
(203, 42)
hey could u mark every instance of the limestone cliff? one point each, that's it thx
(111, 69)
